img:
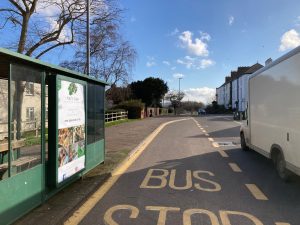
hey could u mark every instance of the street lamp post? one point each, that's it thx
(88, 37)
(179, 78)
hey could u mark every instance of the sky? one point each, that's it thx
(201, 41)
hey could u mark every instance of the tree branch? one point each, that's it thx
(17, 6)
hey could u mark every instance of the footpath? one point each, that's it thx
(120, 140)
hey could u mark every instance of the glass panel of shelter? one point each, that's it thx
(4, 151)
(26, 111)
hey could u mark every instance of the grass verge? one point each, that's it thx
(117, 122)
(112, 160)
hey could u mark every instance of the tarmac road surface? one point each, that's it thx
(194, 172)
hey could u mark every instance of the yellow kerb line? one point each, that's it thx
(256, 192)
(79, 214)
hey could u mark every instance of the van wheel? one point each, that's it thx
(243, 142)
(282, 171)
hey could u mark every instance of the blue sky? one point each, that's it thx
(201, 40)
(204, 40)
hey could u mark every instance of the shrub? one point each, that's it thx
(134, 108)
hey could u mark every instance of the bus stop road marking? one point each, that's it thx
(79, 214)
(235, 167)
(256, 192)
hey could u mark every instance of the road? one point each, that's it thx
(194, 172)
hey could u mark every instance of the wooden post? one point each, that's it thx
(15, 129)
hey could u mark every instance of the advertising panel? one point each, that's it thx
(71, 129)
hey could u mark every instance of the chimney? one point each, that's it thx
(268, 61)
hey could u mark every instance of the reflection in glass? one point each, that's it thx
(95, 131)
(4, 71)
(26, 118)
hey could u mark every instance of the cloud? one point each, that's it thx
(50, 13)
(178, 75)
(203, 94)
(196, 47)
(167, 63)
(204, 36)
(173, 68)
(174, 32)
(289, 40)
(151, 61)
(206, 63)
(195, 63)
(230, 20)
(150, 64)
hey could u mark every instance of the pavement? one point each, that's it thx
(125, 136)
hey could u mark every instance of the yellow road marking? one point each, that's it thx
(256, 192)
(235, 167)
(223, 154)
(215, 144)
(211, 139)
(225, 219)
(280, 223)
(162, 212)
(134, 212)
(79, 214)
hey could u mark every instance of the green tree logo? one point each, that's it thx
(72, 88)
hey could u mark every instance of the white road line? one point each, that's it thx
(235, 167)
(223, 154)
(215, 144)
(206, 134)
(256, 192)
(211, 139)
(240, 123)
(281, 223)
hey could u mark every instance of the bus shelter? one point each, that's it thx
(51, 131)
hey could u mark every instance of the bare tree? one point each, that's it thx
(175, 99)
(112, 58)
(42, 25)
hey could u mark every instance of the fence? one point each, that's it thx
(110, 117)
(33, 125)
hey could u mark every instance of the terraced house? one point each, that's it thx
(233, 93)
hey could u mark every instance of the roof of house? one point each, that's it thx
(254, 68)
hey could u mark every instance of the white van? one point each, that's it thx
(272, 125)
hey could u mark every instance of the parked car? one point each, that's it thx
(201, 112)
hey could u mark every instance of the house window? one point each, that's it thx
(29, 88)
(29, 113)
(46, 90)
